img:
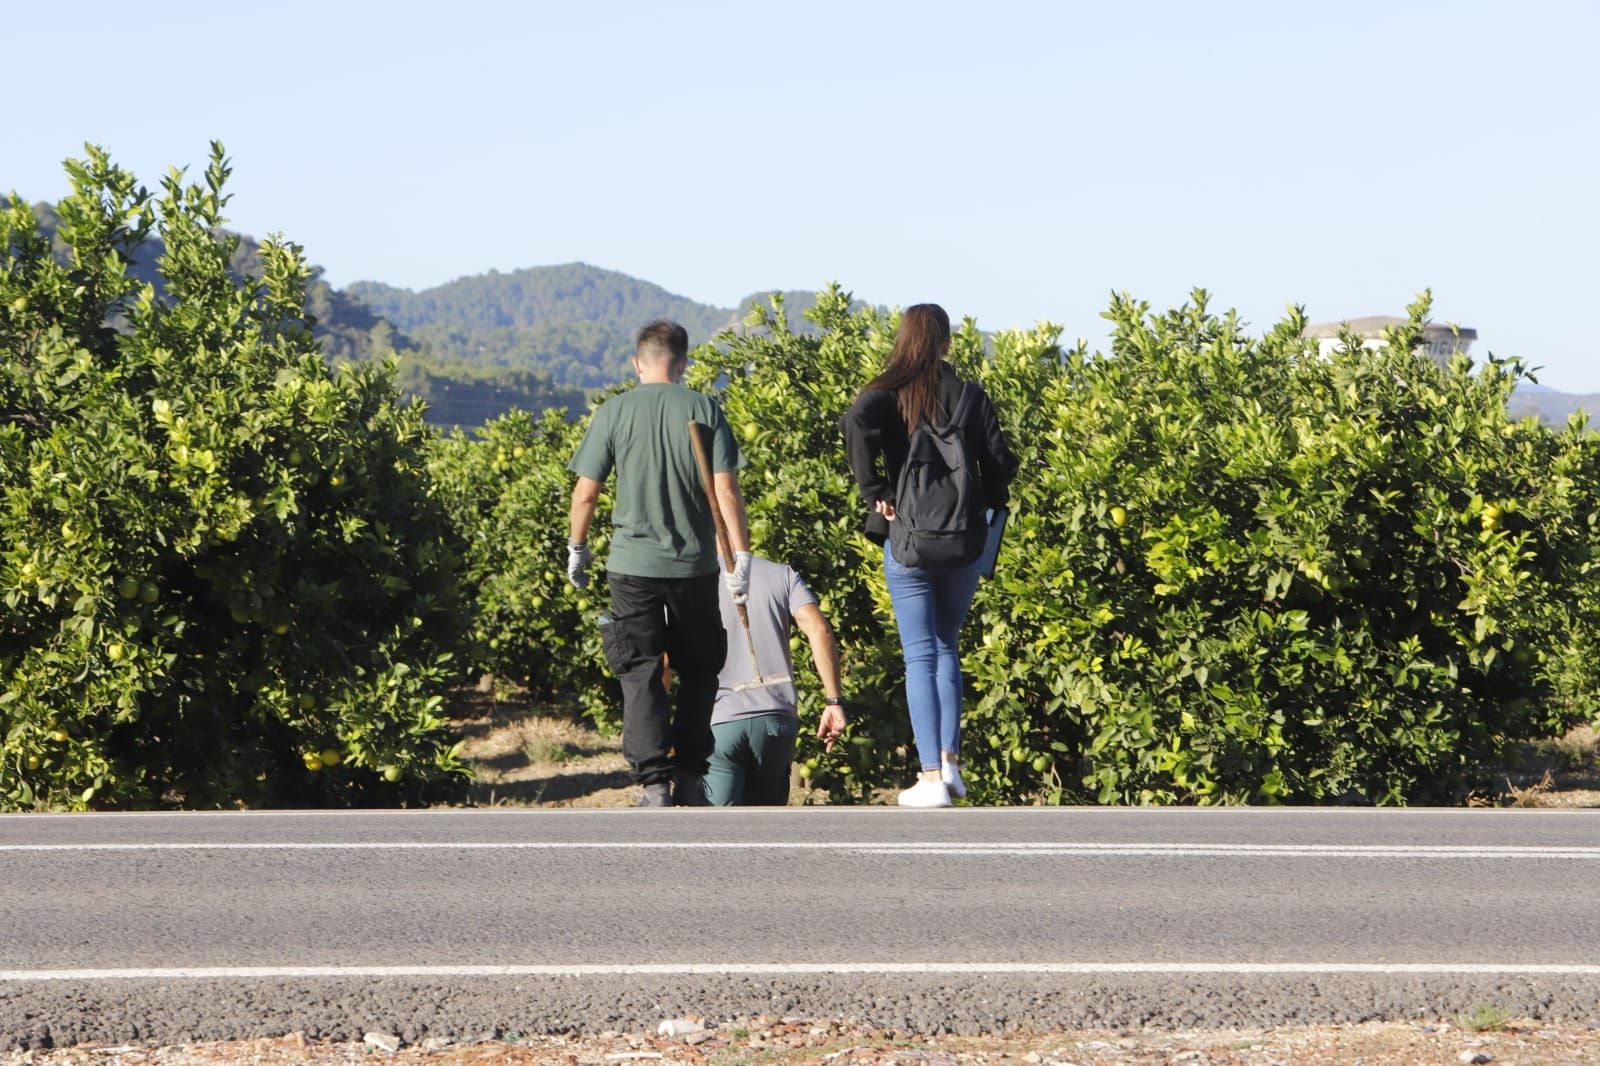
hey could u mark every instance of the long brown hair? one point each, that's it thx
(912, 373)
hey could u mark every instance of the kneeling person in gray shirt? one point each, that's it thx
(755, 720)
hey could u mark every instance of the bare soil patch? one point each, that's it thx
(804, 1042)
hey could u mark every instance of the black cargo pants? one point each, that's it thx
(682, 617)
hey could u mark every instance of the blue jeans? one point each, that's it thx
(929, 607)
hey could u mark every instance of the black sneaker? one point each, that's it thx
(656, 794)
(689, 790)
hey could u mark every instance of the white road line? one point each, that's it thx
(778, 969)
(1028, 849)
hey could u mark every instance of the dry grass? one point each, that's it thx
(1529, 796)
(1557, 772)
(526, 755)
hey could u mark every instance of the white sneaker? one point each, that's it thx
(950, 773)
(927, 792)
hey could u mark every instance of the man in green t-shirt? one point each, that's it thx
(662, 568)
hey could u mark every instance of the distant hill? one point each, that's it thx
(1551, 406)
(573, 322)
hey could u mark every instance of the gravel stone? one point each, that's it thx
(382, 1042)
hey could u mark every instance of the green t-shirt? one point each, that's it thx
(661, 523)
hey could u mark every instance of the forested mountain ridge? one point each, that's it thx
(574, 322)
(532, 296)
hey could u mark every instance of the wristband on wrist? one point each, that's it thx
(833, 701)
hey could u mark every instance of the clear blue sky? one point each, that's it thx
(1013, 161)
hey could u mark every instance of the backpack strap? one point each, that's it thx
(958, 417)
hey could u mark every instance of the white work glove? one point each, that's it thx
(738, 579)
(578, 559)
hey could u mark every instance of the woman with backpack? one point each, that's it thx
(930, 458)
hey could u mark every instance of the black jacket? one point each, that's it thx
(876, 441)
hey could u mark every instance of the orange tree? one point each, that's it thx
(224, 578)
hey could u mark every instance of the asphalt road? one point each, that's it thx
(465, 923)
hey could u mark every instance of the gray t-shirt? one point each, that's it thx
(776, 593)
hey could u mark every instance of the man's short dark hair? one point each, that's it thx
(664, 337)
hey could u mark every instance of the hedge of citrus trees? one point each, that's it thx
(1237, 571)
(225, 578)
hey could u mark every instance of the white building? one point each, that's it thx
(1439, 341)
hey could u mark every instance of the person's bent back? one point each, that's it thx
(756, 718)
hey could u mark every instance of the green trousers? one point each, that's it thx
(751, 760)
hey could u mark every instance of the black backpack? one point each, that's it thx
(939, 522)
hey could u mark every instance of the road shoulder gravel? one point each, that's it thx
(63, 1014)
